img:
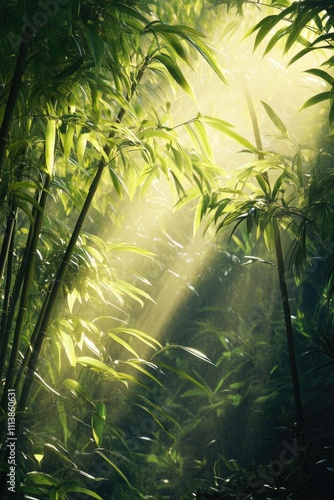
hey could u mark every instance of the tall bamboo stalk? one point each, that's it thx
(289, 336)
(283, 288)
(6, 242)
(39, 333)
(12, 98)
(4, 331)
(26, 290)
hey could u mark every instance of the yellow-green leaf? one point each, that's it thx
(50, 139)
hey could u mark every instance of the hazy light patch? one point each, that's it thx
(150, 222)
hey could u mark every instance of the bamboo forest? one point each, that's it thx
(166, 253)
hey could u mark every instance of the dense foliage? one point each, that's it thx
(136, 375)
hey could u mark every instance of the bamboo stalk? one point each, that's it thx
(12, 98)
(290, 337)
(39, 333)
(4, 332)
(7, 238)
(283, 288)
(26, 290)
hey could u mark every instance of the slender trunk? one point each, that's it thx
(4, 332)
(14, 298)
(283, 288)
(12, 98)
(26, 290)
(40, 330)
(7, 239)
(289, 336)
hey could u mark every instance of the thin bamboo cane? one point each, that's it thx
(26, 290)
(39, 333)
(283, 289)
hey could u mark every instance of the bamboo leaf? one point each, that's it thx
(175, 72)
(123, 343)
(276, 120)
(207, 54)
(225, 127)
(138, 366)
(130, 11)
(95, 43)
(185, 375)
(68, 144)
(98, 422)
(124, 247)
(99, 366)
(321, 74)
(50, 140)
(68, 345)
(59, 453)
(81, 147)
(142, 336)
(73, 487)
(117, 182)
(75, 387)
(190, 350)
(63, 420)
(323, 96)
(69, 70)
(263, 28)
(110, 462)
(42, 479)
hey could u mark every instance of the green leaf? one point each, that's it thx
(68, 144)
(263, 28)
(73, 487)
(81, 147)
(99, 366)
(98, 422)
(123, 343)
(75, 387)
(305, 15)
(185, 375)
(190, 350)
(177, 46)
(175, 72)
(59, 453)
(130, 11)
(207, 54)
(155, 418)
(50, 140)
(323, 96)
(321, 74)
(68, 345)
(69, 70)
(138, 366)
(117, 182)
(63, 420)
(142, 336)
(117, 469)
(42, 479)
(225, 127)
(274, 39)
(95, 44)
(276, 120)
